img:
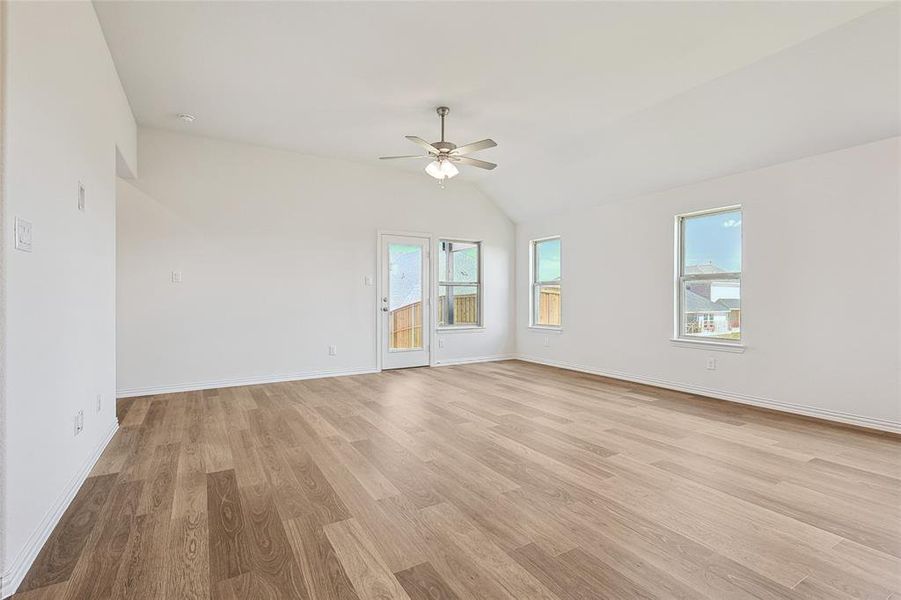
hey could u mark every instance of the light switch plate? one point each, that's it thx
(80, 192)
(23, 235)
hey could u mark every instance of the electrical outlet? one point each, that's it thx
(23, 235)
(440, 343)
(79, 422)
(711, 364)
(176, 276)
(367, 280)
(547, 341)
(80, 195)
(332, 350)
(99, 402)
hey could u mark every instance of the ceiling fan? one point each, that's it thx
(445, 154)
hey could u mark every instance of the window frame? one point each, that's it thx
(680, 278)
(477, 284)
(533, 275)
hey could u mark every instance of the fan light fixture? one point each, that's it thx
(441, 169)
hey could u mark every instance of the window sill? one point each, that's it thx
(546, 328)
(460, 329)
(709, 345)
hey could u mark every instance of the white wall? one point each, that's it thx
(820, 288)
(66, 114)
(273, 247)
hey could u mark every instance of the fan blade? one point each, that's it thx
(408, 156)
(474, 162)
(424, 144)
(473, 147)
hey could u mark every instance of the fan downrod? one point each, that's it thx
(443, 146)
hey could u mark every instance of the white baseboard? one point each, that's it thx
(18, 568)
(224, 383)
(797, 409)
(475, 359)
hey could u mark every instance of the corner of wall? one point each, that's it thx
(116, 126)
(3, 487)
(12, 575)
(122, 116)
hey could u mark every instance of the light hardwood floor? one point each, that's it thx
(500, 480)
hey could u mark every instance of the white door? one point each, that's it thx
(404, 301)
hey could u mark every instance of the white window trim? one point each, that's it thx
(718, 346)
(547, 328)
(533, 283)
(459, 328)
(679, 339)
(478, 285)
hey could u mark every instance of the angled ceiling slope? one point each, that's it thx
(589, 102)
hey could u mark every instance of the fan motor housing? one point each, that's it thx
(444, 147)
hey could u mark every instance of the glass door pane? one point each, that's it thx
(404, 297)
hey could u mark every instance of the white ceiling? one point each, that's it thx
(589, 102)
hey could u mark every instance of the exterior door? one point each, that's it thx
(404, 301)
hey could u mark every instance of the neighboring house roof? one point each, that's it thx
(730, 303)
(703, 269)
(698, 303)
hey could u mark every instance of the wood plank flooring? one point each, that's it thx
(502, 480)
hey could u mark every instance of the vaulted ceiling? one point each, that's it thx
(589, 102)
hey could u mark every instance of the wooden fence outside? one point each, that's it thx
(466, 308)
(549, 307)
(405, 327)
(405, 323)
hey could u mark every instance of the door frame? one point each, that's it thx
(377, 304)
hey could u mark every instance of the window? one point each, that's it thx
(459, 284)
(546, 282)
(708, 286)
